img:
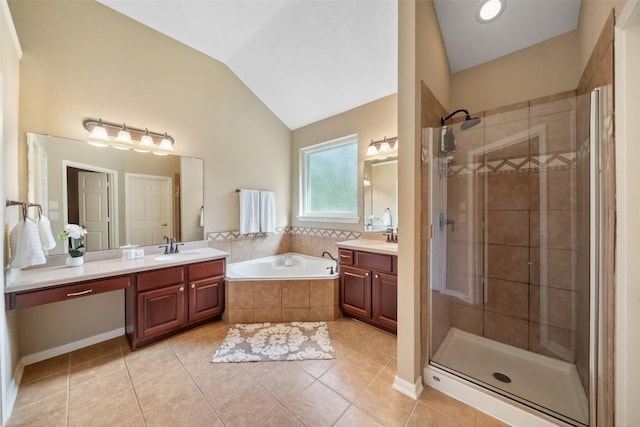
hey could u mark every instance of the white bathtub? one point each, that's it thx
(290, 266)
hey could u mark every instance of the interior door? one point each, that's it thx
(93, 209)
(149, 208)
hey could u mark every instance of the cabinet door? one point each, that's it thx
(385, 300)
(161, 311)
(206, 298)
(355, 291)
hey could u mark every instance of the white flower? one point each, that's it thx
(74, 231)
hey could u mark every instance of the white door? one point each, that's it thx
(93, 209)
(149, 212)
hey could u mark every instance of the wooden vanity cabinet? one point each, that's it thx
(368, 287)
(165, 301)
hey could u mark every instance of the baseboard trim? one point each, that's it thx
(12, 392)
(413, 390)
(66, 348)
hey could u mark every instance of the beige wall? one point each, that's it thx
(526, 74)
(122, 71)
(371, 121)
(81, 60)
(593, 15)
(9, 84)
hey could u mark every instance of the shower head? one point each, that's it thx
(468, 123)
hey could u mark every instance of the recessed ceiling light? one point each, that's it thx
(489, 10)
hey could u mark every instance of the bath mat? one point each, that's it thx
(258, 342)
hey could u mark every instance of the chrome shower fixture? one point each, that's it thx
(469, 121)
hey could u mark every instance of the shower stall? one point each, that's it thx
(514, 254)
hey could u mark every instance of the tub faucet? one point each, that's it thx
(331, 256)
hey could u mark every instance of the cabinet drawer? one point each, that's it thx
(345, 256)
(159, 278)
(379, 262)
(203, 270)
(67, 292)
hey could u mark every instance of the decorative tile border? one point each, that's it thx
(227, 236)
(534, 163)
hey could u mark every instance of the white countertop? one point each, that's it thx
(51, 276)
(370, 245)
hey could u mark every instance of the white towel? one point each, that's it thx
(386, 218)
(249, 211)
(267, 211)
(46, 235)
(26, 248)
(202, 216)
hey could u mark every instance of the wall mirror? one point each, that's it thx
(380, 194)
(120, 196)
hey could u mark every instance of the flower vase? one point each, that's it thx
(74, 261)
(76, 252)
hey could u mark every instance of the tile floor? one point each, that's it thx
(173, 383)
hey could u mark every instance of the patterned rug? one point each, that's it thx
(257, 342)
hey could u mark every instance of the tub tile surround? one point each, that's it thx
(306, 241)
(281, 301)
(173, 382)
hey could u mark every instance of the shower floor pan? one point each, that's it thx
(534, 378)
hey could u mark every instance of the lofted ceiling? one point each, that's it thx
(311, 59)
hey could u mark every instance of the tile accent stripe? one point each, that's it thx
(227, 236)
(533, 163)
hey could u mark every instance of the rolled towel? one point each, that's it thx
(46, 235)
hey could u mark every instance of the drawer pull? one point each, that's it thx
(345, 256)
(181, 289)
(366, 274)
(193, 286)
(377, 276)
(77, 294)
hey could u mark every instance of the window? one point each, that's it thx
(329, 181)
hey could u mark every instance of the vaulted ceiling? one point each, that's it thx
(309, 59)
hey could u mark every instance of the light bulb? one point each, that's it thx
(166, 144)
(124, 135)
(146, 140)
(99, 132)
(372, 150)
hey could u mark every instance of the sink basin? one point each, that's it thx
(176, 256)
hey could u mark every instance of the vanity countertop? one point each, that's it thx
(370, 245)
(59, 275)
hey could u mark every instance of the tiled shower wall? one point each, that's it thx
(511, 247)
(306, 241)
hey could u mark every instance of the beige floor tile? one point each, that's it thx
(36, 391)
(94, 351)
(447, 405)
(388, 373)
(148, 363)
(424, 416)
(317, 405)
(316, 367)
(227, 389)
(484, 420)
(284, 380)
(96, 368)
(252, 408)
(388, 406)
(371, 361)
(203, 371)
(381, 341)
(50, 411)
(354, 417)
(282, 418)
(198, 349)
(45, 368)
(135, 421)
(97, 390)
(115, 409)
(350, 329)
(347, 380)
(170, 384)
(189, 409)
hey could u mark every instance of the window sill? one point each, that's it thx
(336, 219)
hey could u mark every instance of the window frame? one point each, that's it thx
(325, 216)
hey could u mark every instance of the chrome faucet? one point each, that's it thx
(331, 256)
(391, 237)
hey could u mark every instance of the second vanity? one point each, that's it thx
(368, 281)
(163, 294)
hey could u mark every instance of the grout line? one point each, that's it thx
(135, 392)
(68, 389)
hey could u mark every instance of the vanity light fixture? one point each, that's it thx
(490, 10)
(123, 137)
(383, 146)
